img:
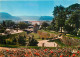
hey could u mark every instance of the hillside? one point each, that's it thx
(6, 16)
(36, 18)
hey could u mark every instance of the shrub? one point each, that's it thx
(33, 42)
(22, 40)
(70, 41)
(2, 30)
(13, 39)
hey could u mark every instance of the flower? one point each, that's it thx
(59, 51)
(45, 50)
(37, 54)
(69, 55)
(26, 55)
(11, 55)
(61, 56)
(7, 50)
(74, 55)
(29, 51)
(66, 55)
(51, 51)
(77, 51)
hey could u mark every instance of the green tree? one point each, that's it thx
(68, 18)
(59, 17)
(44, 25)
(8, 23)
(75, 19)
(22, 25)
(58, 9)
(33, 42)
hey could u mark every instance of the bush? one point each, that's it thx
(33, 42)
(74, 33)
(13, 39)
(22, 40)
(2, 30)
(44, 25)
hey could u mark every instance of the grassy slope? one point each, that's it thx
(72, 36)
(58, 42)
(10, 36)
(36, 36)
(50, 32)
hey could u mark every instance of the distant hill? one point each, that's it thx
(49, 18)
(6, 16)
(36, 18)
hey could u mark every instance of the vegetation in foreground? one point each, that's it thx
(25, 52)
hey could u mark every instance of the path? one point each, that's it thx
(47, 44)
(12, 31)
(15, 31)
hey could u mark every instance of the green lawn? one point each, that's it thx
(72, 36)
(58, 42)
(9, 46)
(36, 36)
(48, 31)
(35, 47)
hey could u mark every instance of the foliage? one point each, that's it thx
(36, 36)
(74, 19)
(44, 25)
(59, 17)
(8, 23)
(70, 40)
(2, 30)
(46, 34)
(68, 28)
(22, 25)
(25, 52)
(58, 9)
(58, 41)
(33, 42)
(68, 18)
(13, 39)
(78, 33)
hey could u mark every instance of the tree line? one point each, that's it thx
(12, 25)
(66, 18)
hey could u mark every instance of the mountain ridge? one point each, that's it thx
(7, 16)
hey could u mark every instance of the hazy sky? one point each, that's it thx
(32, 7)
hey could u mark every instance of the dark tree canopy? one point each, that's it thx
(44, 25)
(68, 18)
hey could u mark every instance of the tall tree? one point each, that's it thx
(67, 17)
(44, 25)
(59, 16)
(75, 19)
(58, 9)
(22, 25)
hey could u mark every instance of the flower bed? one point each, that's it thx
(24, 52)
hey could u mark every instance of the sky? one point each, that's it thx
(32, 7)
